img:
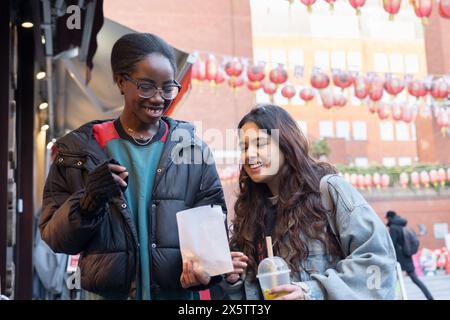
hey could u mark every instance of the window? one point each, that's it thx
(343, 25)
(343, 130)
(396, 63)
(386, 131)
(361, 162)
(303, 126)
(326, 129)
(278, 56)
(354, 61)
(411, 63)
(359, 130)
(402, 131)
(440, 230)
(404, 161)
(338, 60)
(380, 62)
(321, 60)
(296, 58)
(261, 55)
(389, 161)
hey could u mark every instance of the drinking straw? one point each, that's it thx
(273, 278)
(269, 246)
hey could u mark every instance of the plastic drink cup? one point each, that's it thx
(273, 272)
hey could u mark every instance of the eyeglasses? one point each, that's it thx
(148, 90)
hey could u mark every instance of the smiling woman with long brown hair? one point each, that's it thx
(332, 254)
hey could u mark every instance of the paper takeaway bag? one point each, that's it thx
(203, 238)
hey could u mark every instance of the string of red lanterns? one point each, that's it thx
(370, 88)
(416, 179)
(422, 8)
(426, 178)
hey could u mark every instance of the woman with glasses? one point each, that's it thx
(115, 187)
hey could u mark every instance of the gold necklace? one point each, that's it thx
(141, 137)
(135, 133)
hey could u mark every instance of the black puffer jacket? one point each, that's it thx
(396, 225)
(108, 241)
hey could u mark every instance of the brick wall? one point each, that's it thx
(418, 207)
(433, 146)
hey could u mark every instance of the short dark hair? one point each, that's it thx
(133, 47)
(390, 214)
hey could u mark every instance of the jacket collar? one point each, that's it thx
(81, 142)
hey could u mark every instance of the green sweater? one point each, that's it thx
(141, 162)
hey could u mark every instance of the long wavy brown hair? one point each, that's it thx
(299, 211)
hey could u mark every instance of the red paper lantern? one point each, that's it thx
(404, 179)
(417, 88)
(425, 179)
(256, 72)
(385, 180)
(408, 114)
(357, 4)
(278, 75)
(441, 176)
(434, 177)
(307, 94)
(319, 80)
(342, 79)
(361, 87)
(327, 99)
(376, 89)
(288, 92)
(269, 88)
(415, 179)
(442, 119)
(234, 68)
(308, 4)
(236, 82)
(340, 100)
(220, 76)
(368, 180)
(360, 182)
(423, 9)
(198, 71)
(397, 112)
(394, 86)
(211, 67)
(373, 106)
(377, 180)
(439, 89)
(444, 8)
(383, 111)
(392, 7)
(253, 86)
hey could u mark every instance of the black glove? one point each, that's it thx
(100, 188)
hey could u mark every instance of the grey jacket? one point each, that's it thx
(368, 269)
